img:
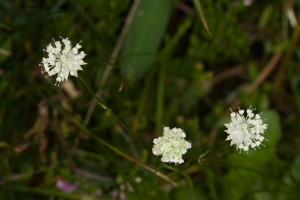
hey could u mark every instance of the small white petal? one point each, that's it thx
(63, 61)
(245, 131)
(172, 145)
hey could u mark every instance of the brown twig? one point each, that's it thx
(284, 64)
(265, 72)
(113, 58)
(260, 78)
(120, 41)
(270, 66)
(183, 7)
(227, 74)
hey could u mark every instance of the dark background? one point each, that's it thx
(164, 69)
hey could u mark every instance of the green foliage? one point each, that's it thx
(171, 72)
(144, 37)
(227, 30)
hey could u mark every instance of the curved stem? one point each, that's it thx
(111, 147)
(114, 149)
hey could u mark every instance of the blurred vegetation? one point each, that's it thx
(154, 64)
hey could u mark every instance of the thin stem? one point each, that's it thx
(105, 107)
(114, 55)
(201, 15)
(160, 99)
(114, 149)
(100, 101)
(116, 51)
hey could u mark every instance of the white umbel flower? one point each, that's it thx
(62, 60)
(171, 145)
(247, 131)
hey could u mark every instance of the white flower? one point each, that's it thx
(171, 145)
(63, 60)
(247, 131)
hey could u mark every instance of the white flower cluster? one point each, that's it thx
(245, 132)
(63, 60)
(171, 145)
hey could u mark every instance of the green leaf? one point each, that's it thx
(144, 37)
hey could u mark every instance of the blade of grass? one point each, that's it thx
(201, 15)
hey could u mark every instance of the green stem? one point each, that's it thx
(114, 149)
(105, 107)
(160, 100)
(170, 45)
(121, 153)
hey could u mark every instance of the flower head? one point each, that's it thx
(246, 131)
(63, 60)
(171, 145)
